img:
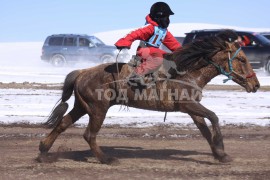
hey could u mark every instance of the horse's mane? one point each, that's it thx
(194, 54)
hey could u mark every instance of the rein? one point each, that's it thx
(118, 74)
(231, 70)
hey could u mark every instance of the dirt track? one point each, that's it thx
(148, 153)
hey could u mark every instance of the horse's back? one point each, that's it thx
(99, 75)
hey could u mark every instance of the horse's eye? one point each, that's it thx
(242, 60)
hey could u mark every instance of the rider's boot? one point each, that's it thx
(136, 80)
(173, 73)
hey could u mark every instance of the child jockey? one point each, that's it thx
(151, 35)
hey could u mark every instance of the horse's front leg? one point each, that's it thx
(216, 143)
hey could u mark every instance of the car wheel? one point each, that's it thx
(107, 58)
(267, 67)
(58, 60)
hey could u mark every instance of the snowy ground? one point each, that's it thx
(232, 107)
(20, 62)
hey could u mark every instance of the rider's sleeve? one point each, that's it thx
(170, 42)
(143, 33)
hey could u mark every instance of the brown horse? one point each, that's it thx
(97, 89)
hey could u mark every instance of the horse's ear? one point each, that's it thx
(228, 46)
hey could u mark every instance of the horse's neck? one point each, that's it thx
(203, 76)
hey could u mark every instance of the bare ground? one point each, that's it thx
(162, 152)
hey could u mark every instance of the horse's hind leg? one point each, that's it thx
(67, 120)
(216, 142)
(90, 135)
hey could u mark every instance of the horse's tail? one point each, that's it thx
(58, 111)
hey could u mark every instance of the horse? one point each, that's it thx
(98, 88)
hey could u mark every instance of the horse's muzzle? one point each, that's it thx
(253, 83)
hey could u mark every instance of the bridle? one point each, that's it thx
(231, 70)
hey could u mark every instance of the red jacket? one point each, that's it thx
(145, 33)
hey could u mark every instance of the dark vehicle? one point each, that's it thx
(62, 49)
(257, 50)
(266, 34)
(178, 38)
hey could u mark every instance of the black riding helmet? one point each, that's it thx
(160, 12)
(160, 9)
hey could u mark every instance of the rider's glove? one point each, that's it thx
(122, 47)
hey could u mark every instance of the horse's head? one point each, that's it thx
(221, 52)
(234, 64)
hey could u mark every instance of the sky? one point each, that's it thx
(32, 20)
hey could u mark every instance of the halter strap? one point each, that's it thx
(222, 70)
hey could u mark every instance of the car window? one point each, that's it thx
(267, 36)
(253, 41)
(55, 41)
(188, 38)
(96, 41)
(262, 39)
(84, 42)
(250, 40)
(70, 41)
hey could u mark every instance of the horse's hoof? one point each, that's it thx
(43, 148)
(109, 161)
(225, 159)
(42, 157)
